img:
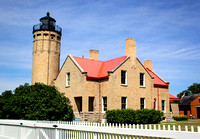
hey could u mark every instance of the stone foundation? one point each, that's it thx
(89, 116)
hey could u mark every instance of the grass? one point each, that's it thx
(190, 122)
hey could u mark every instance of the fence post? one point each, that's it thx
(95, 136)
(56, 132)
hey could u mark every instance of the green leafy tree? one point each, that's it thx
(193, 89)
(37, 102)
(6, 104)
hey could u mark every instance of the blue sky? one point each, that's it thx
(167, 32)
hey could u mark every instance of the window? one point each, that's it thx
(52, 36)
(124, 106)
(104, 104)
(91, 104)
(142, 79)
(185, 112)
(78, 101)
(68, 79)
(170, 107)
(142, 103)
(45, 34)
(163, 105)
(58, 38)
(123, 77)
(155, 104)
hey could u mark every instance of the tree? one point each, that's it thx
(36, 102)
(5, 104)
(193, 89)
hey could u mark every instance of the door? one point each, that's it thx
(198, 112)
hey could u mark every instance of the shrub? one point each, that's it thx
(180, 117)
(35, 102)
(129, 116)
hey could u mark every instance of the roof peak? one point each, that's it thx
(99, 60)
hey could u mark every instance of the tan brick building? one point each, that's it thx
(95, 86)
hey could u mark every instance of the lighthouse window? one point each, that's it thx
(45, 34)
(38, 34)
(58, 38)
(52, 36)
(33, 36)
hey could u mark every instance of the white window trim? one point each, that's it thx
(155, 102)
(143, 80)
(125, 78)
(164, 106)
(67, 77)
(103, 105)
(125, 102)
(144, 103)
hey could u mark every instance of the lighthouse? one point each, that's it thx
(46, 50)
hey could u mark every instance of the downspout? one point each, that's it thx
(99, 101)
(158, 96)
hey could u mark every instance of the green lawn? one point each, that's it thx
(189, 123)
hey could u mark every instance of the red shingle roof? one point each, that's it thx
(98, 69)
(172, 98)
(158, 82)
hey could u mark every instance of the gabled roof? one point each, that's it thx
(97, 70)
(158, 82)
(186, 100)
(173, 98)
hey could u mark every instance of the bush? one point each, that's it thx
(129, 116)
(120, 116)
(35, 102)
(180, 117)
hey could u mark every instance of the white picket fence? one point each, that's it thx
(22, 129)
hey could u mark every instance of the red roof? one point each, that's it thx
(158, 82)
(98, 69)
(172, 98)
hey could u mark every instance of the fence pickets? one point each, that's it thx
(24, 129)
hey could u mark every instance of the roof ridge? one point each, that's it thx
(101, 69)
(88, 59)
(114, 58)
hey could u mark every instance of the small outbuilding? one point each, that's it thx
(190, 106)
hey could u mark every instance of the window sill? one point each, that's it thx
(142, 87)
(67, 86)
(125, 85)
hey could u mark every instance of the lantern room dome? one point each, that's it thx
(47, 23)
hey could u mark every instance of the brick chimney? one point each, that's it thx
(148, 64)
(130, 45)
(94, 54)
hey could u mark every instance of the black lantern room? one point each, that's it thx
(47, 23)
